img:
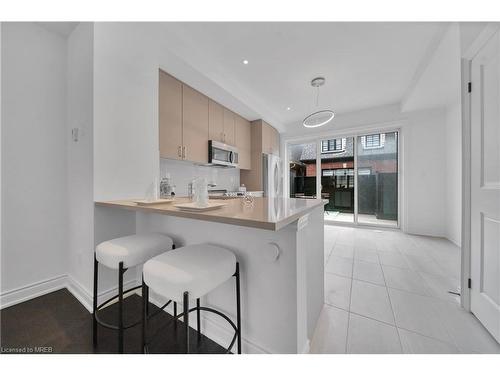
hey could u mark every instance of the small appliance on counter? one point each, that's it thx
(167, 190)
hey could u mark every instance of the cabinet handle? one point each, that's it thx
(184, 152)
(179, 152)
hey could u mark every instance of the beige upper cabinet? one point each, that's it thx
(229, 119)
(243, 137)
(170, 116)
(189, 119)
(215, 121)
(194, 125)
(270, 139)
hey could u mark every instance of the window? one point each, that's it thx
(344, 178)
(327, 172)
(373, 141)
(333, 145)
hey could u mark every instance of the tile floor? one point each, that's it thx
(345, 217)
(387, 292)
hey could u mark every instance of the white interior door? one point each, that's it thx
(485, 186)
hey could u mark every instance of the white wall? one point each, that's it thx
(439, 86)
(126, 157)
(34, 193)
(127, 57)
(80, 156)
(424, 178)
(453, 142)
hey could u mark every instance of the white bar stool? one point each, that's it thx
(121, 254)
(191, 272)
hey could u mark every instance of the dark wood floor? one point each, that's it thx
(58, 322)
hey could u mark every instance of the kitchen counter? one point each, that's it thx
(279, 245)
(265, 213)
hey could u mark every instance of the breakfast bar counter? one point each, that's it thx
(264, 213)
(278, 243)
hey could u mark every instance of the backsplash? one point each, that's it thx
(183, 172)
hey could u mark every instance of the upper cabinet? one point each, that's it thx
(194, 125)
(243, 141)
(215, 121)
(188, 120)
(229, 118)
(170, 117)
(270, 139)
(221, 123)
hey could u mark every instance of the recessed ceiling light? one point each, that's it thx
(288, 108)
(245, 62)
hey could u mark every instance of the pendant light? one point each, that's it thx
(321, 117)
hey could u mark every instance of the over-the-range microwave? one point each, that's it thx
(221, 154)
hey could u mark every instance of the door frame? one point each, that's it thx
(386, 127)
(466, 64)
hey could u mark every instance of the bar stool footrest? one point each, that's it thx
(201, 308)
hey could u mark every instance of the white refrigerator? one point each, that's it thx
(272, 179)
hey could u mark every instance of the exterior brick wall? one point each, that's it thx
(382, 166)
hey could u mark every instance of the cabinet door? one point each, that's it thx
(194, 125)
(228, 127)
(267, 138)
(215, 121)
(170, 116)
(243, 142)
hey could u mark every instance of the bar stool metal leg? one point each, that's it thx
(186, 319)
(120, 307)
(238, 306)
(198, 318)
(145, 303)
(94, 309)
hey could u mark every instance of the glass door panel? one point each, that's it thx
(377, 172)
(302, 170)
(337, 178)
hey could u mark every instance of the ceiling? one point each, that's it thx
(61, 28)
(365, 64)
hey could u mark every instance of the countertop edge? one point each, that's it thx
(272, 226)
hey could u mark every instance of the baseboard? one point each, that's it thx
(213, 330)
(15, 296)
(25, 293)
(85, 297)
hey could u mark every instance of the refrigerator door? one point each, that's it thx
(273, 176)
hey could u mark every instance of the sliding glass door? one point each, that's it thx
(377, 182)
(337, 178)
(302, 170)
(358, 175)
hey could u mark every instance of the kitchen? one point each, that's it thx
(156, 149)
(271, 232)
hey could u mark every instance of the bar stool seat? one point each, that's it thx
(196, 269)
(132, 250)
(121, 254)
(191, 272)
